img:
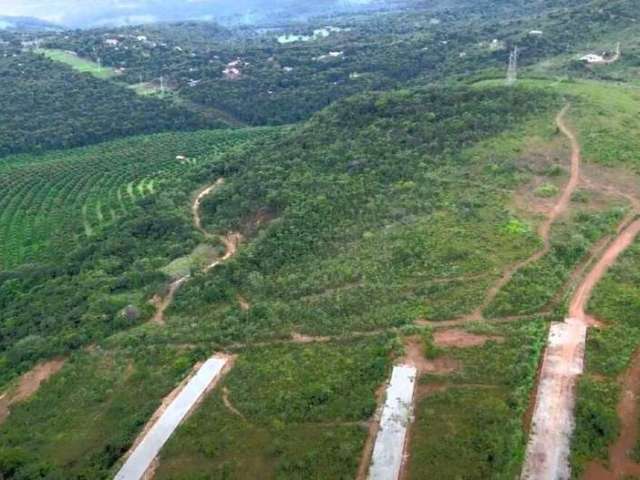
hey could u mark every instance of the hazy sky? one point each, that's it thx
(96, 12)
(73, 11)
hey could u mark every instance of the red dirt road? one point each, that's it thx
(557, 211)
(553, 422)
(583, 293)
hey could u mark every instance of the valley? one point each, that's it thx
(359, 253)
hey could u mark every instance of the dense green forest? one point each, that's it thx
(46, 105)
(287, 82)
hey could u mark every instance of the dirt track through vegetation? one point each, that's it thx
(28, 385)
(553, 422)
(545, 228)
(230, 241)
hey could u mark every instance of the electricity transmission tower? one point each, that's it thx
(512, 72)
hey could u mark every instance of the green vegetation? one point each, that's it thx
(84, 289)
(534, 286)
(89, 414)
(393, 202)
(63, 194)
(46, 105)
(469, 422)
(303, 411)
(375, 239)
(82, 65)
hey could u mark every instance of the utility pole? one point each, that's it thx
(162, 85)
(512, 71)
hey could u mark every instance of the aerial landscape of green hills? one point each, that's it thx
(451, 187)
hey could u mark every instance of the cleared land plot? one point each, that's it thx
(469, 420)
(80, 64)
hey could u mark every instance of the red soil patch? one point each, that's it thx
(414, 356)
(28, 385)
(462, 339)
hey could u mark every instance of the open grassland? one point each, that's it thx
(82, 65)
(61, 195)
(604, 116)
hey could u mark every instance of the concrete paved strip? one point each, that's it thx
(141, 458)
(547, 455)
(388, 451)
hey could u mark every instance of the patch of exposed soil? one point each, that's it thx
(28, 385)
(245, 306)
(299, 338)
(414, 356)
(462, 339)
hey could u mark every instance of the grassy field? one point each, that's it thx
(80, 64)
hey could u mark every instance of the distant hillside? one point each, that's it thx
(26, 24)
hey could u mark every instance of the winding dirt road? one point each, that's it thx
(547, 455)
(544, 231)
(230, 241)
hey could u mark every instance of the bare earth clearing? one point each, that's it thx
(28, 385)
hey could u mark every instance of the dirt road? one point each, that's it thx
(230, 241)
(28, 385)
(557, 211)
(547, 455)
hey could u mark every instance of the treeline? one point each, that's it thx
(287, 83)
(45, 105)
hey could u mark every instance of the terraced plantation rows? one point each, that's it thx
(73, 193)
